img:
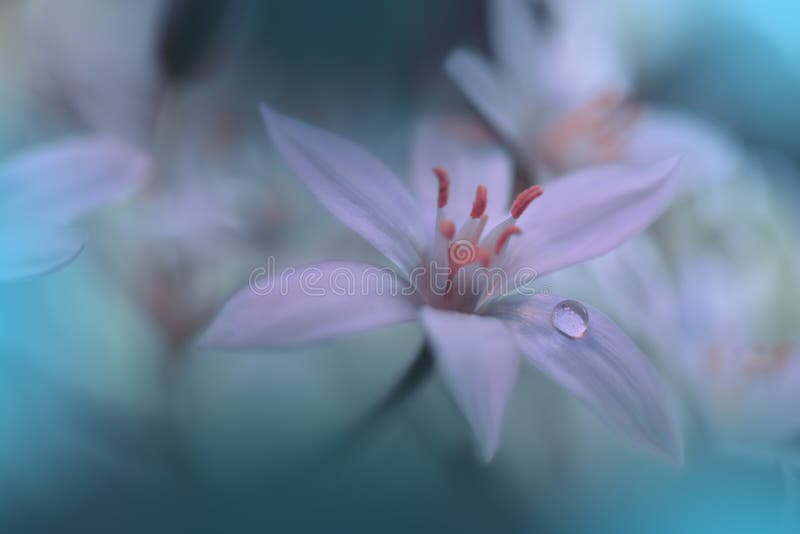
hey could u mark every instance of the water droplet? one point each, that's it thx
(570, 318)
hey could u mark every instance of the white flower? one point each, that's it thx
(716, 304)
(561, 96)
(477, 334)
(202, 194)
(45, 189)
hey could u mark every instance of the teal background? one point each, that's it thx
(92, 441)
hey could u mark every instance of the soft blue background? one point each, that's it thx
(85, 444)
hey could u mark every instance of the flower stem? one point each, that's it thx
(416, 374)
(335, 455)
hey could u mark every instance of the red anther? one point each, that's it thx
(524, 199)
(447, 228)
(483, 256)
(504, 237)
(479, 204)
(780, 354)
(444, 186)
(607, 99)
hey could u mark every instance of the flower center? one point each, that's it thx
(737, 376)
(754, 362)
(767, 360)
(593, 133)
(463, 250)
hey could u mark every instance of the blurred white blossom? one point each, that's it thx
(45, 189)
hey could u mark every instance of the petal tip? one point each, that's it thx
(665, 438)
(80, 245)
(129, 163)
(666, 168)
(213, 337)
(203, 341)
(76, 244)
(487, 452)
(673, 162)
(270, 117)
(457, 61)
(451, 59)
(266, 111)
(267, 114)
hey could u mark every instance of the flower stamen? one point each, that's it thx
(444, 186)
(595, 132)
(503, 238)
(482, 256)
(479, 204)
(447, 228)
(476, 233)
(524, 199)
(764, 361)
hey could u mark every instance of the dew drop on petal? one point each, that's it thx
(570, 318)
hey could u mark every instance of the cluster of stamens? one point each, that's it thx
(464, 245)
(595, 132)
(766, 360)
(756, 362)
(747, 369)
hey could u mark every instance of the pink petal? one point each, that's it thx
(708, 154)
(515, 39)
(501, 103)
(61, 181)
(582, 55)
(36, 250)
(603, 369)
(589, 213)
(113, 89)
(479, 362)
(354, 186)
(309, 303)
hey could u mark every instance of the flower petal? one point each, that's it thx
(603, 369)
(112, 89)
(61, 181)
(354, 186)
(708, 154)
(494, 97)
(309, 303)
(769, 407)
(514, 38)
(479, 362)
(463, 149)
(589, 213)
(582, 55)
(30, 251)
